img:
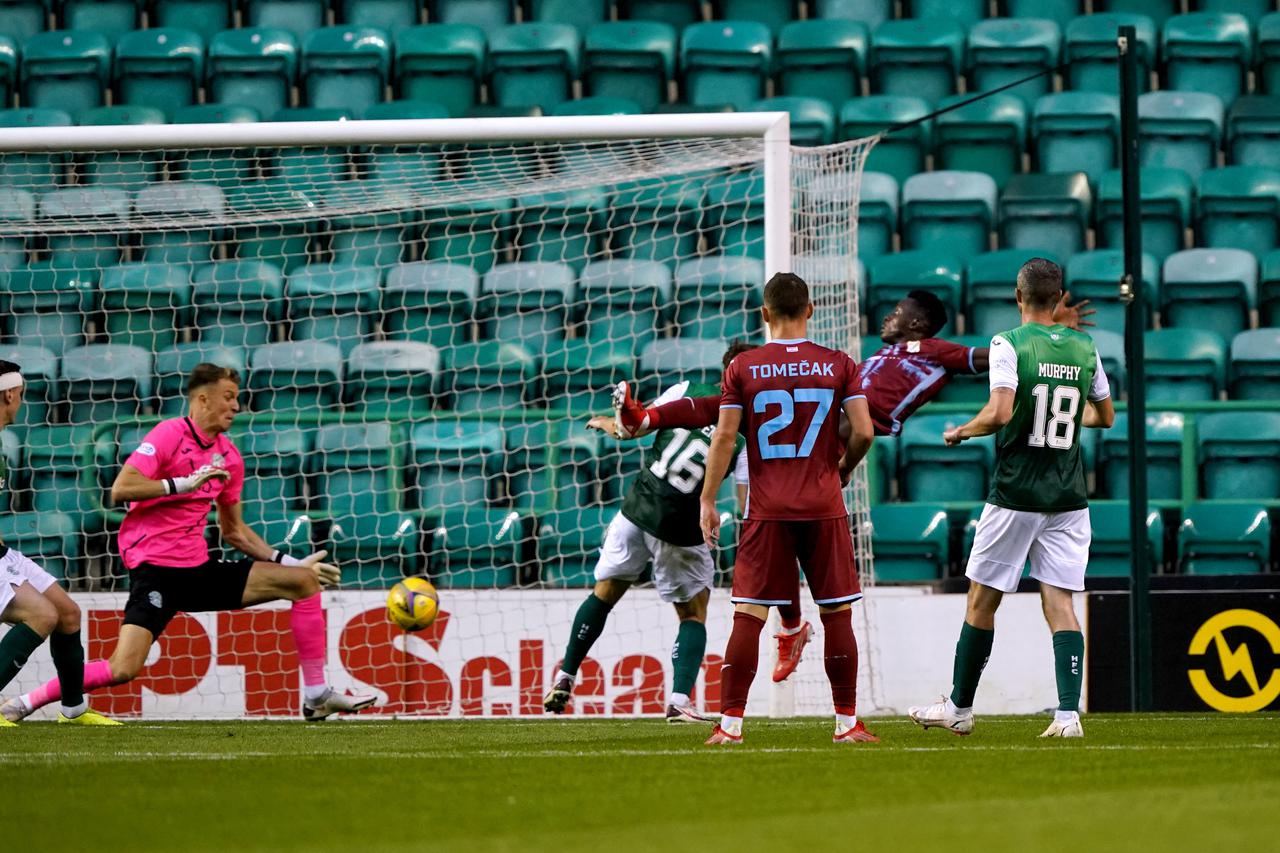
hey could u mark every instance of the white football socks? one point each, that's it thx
(731, 725)
(73, 711)
(679, 699)
(844, 722)
(314, 692)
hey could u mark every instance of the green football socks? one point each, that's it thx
(686, 655)
(972, 652)
(587, 625)
(1068, 666)
(68, 659)
(16, 646)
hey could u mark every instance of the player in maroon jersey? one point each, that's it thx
(786, 396)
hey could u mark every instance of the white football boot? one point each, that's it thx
(333, 702)
(943, 715)
(15, 710)
(1065, 726)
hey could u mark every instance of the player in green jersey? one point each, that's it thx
(1046, 383)
(658, 521)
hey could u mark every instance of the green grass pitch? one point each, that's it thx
(1136, 782)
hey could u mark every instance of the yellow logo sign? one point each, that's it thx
(1235, 661)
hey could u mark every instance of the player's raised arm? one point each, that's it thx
(718, 460)
(133, 485)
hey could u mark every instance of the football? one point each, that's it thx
(413, 604)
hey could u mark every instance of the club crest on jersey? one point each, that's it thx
(217, 461)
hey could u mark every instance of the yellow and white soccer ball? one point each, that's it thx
(413, 604)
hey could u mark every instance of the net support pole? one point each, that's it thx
(1134, 297)
(777, 197)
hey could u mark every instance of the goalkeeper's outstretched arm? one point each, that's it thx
(133, 485)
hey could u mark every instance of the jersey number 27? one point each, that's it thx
(787, 402)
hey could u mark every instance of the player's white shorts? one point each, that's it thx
(17, 569)
(679, 572)
(1056, 543)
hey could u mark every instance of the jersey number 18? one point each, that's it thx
(1054, 423)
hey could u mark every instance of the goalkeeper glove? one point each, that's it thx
(326, 573)
(193, 481)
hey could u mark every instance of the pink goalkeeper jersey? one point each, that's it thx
(169, 531)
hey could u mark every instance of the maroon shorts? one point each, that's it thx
(765, 569)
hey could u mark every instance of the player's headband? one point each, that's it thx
(12, 379)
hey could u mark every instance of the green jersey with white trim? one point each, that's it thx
(1052, 371)
(663, 500)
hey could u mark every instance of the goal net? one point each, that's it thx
(423, 314)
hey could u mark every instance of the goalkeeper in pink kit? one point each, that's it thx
(181, 468)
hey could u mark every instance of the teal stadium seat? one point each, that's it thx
(41, 390)
(1164, 457)
(84, 251)
(551, 464)
(455, 463)
(719, 297)
(593, 105)
(238, 303)
(1165, 203)
(920, 58)
(8, 69)
(335, 303)
(1207, 52)
(735, 219)
(1076, 132)
(174, 365)
(577, 371)
(1185, 365)
(1004, 50)
(831, 271)
(952, 209)
(295, 376)
(1059, 11)
(470, 232)
(44, 305)
(1269, 54)
(658, 219)
(877, 210)
(24, 18)
(900, 155)
(297, 16)
(966, 12)
(813, 122)
(1180, 130)
(112, 18)
(128, 170)
(987, 136)
(526, 301)
(725, 62)
(345, 67)
(932, 471)
(1096, 276)
(910, 542)
(1210, 289)
(66, 70)
(565, 226)
(990, 281)
(1253, 10)
(52, 465)
(476, 548)
(1239, 455)
(488, 15)
(207, 18)
(430, 302)
(275, 474)
(1159, 10)
(443, 63)
(534, 64)
(774, 14)
(388, 15)
(103, 382)
(52, 539)
(971, 388)
(569, 543)
(173, 202)
(36, 169)
(490, 376)
(162, 68)
(1239, 208)
(623, 300)
(146, 305)
(1111, 548)
(822, 59)
(1224, 539)
(1269, 290)
(581, 13)
(252, 67)
(11, 452)
(391, 379)
(892, 277)
(18, 211)
(630, 59)
(376, 239)
(1090, 46)
(1255, 365)
(226, 168)
(1253, 131)
(873, 13)
(1046, 212)
(668, 360)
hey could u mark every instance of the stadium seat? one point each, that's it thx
(552, 463)
(1111, 548)
(735, 216)
(774, 14)
(526, 301)
(1269, 54)
(52, 466)
(345, 67)
(877, 210)
(625, 300)
(238, 303)
(920, 58)
(1090, 47)
(299, 17)
(103, 382)
(1165, 202)
(1209, 289)
(1164, 457)
(253, 68)
(175, 201)
(990, 281)
(430, 302)
(52, 539)
(24, 18)
(111, 18)
(377, 239)
(275, 469)
(46, 306)
(391, 379)
(910, 542)
(490, 376)
(206, 18)
(11, 452)
(569, 543)
(161, 68)
(952, 209)
(476, 548)
(1255, 365)
(725, 62)
(1096, 276)
(561, 226)
(1110, 347)
(988, 136)
(174, 365)
(1239, 208)
(873, 13)
(630, 59)
(34, 169)
(128, 170)
(488, 15)
(822, 59)
(441, 63)
(1004, 50)
(85, 251)
(1047, 212)
(1269, 290)
(387, 15)
(1207, 52)
(1180, 130)
(66, 70)
(1224, 539)
(1253, 131)
(1076, 132)
(472, 232)
(657, 219)
(1159, 10)
(41, 390)
(533, 64)
(1239, 455)
(226, 168)
(813, 122)
(18, 209)
(1059, 11)
(147, 305)
(892, 277)
(1185, 365)
(965, 12)
(595, 105)
(668, 360)
(335, 303)
(581, 13)
(932, 471)
(8, 69)
(455, 463)
(297, 376)
(309, 171)
(900, 155)
(575, 372)
(719, 297)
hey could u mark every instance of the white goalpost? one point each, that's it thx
(423, 312)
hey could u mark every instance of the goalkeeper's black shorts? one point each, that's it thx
(156, 593)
